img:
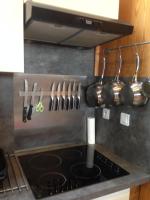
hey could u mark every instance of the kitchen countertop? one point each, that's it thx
(136, 177)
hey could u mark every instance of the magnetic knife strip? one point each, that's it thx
(63, 96)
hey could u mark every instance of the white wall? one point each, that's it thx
(11, 36)
(105, 8)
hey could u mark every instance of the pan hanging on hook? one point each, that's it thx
(132, 93)
(94, 94)
(112, 90)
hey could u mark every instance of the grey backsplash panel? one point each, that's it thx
(51, 59)
(131, 143)
(43, 59)
(6, 111)
(49, 127)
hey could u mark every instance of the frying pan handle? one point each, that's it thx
(103, 71)
(119, 69)
(137, 67)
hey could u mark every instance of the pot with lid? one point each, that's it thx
(94, 94)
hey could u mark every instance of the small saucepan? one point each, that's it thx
(146, 88)
(94, 96)
(132, 93)
(112, 90)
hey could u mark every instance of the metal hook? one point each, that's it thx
(137, 64)
(120, 65)
(104, 67)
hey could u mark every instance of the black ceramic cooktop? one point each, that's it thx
(54, 172)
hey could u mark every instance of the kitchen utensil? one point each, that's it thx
(3, 166)
(64, 98)
(25, 106)
(94, 93)
(78, 98)
(32, 101)
(73, 104)
(146, 88)
(51, 97)
(112, 90)
(132, 93)
(52, 103)
(69, 97)
(59, 97)
(39, 107)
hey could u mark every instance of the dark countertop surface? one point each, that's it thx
(136, 177)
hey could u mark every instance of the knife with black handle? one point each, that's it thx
(78, 97)
(25, 106)
(32, 102)
(64, 98)
(52, 102)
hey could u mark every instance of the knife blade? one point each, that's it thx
(32, 101)
(51, 103)
(25, 106)
(69, 97)
(78, 98)
(73, 95)
(64, 98)
(59, 97)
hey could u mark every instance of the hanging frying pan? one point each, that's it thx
(94, 96)
(132, 93)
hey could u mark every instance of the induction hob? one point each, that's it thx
(57, 171)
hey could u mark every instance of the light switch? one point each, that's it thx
(106, 113)
(125, 119)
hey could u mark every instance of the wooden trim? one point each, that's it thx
(140, 192)
(145, 192)
(98, 51)
(134, 193)
(136, 12)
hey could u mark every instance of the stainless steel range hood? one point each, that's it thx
(64, 28)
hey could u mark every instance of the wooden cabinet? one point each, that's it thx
(105, 8)
(121, 195)
(131, 12)
(11, 36)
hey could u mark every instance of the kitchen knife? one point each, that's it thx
(64, 98)
(53, 97)
(25, 106)
(73, 104)
(59, 97)
(69, 97)
(78, 98)
(32, 101)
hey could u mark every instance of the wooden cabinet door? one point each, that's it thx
(95, 7)
(121, 195)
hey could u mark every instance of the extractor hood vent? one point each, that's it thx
(44, 24)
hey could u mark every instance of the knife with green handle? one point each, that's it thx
(40, 107)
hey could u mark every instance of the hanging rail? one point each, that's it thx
(107, 50)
